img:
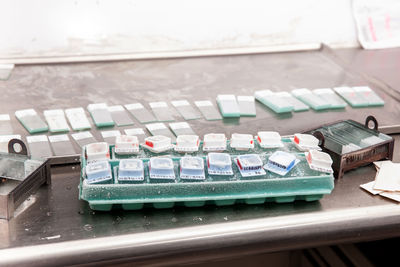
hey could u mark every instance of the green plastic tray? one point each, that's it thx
(301, 183)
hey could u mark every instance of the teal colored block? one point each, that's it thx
(311, 99)
(228, 106)
(298, 106)
(247, 106)
(100, 115)
(31, 121)
(354, 99)
(331, 97)
(372, 98)
(274, 101)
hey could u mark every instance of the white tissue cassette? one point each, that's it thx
(97, 151)
(158, 143)
(242, 141)
(269, 139)
(126, 145)
(214, 142)
(306, 142)
(319, 161)
(187, 143)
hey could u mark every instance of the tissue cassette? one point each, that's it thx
(201, 179)
(98, 172)
(281, 162)
(158, 143)
(250, 165)
(161, 168)
(269, 139)
(242, 141)
(219, 164)
(214, 142)
(187, 143)
(97, 151)
(125, 144)
(305, 142)
(319, 161)
(192, 168)
(131, 170)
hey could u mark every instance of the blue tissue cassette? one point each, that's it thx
(131, 170)
(250, 165)
(192, 168)
(98, 171)
(281, 162)
(161, 168)
(219, 164)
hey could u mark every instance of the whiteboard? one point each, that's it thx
(76, 30)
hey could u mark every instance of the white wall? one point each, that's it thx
(54, 30)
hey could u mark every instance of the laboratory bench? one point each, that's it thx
(54, 227)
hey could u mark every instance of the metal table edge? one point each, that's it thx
(272, 234)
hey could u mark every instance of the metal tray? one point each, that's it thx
(372, 145)
(20, 177)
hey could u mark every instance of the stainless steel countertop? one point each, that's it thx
(59, 229)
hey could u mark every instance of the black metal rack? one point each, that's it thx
(343, 162)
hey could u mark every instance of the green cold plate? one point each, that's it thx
(301, 183)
